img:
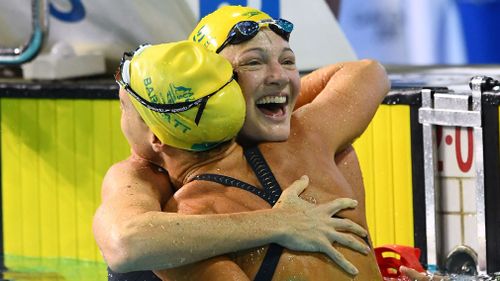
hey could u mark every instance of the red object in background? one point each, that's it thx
(391, 257)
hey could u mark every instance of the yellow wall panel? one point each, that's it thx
(47, 153)
(384, 151)
(402, 175)
(54, 156)
(65, 141)
(30, 189)
(84, 152)
(384, 195)
(11, 177)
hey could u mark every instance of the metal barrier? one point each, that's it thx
(31, 49)
(458, 110)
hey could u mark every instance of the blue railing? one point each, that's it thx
(28, 51)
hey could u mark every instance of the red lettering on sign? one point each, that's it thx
(464, 166)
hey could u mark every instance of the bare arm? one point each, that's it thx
(347, 93)
(197, 200)
(313, 83)
(134, 234)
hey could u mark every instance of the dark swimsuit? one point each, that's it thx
(270, 192)
(132, 276)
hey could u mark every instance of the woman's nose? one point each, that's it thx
(276, 74)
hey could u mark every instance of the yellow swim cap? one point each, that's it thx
(185, 73)
(212, 30)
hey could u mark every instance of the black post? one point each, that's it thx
(418, 182)
(491, 159)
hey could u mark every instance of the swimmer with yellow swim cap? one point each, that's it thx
(267, 74)
(213, 110)
(237, 179)
(186, 95)
(147, 236)
(145, 77)
(257, 47)
(234, 25)
(252, 177)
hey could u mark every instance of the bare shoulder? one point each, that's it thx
(134, 176)
(129, 190)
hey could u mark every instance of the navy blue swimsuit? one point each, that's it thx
(270, 193)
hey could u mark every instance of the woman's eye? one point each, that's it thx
(253, 62)
(288, 62)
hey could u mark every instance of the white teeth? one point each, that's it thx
(267, 100)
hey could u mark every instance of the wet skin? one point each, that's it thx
(326, 183)
(317, 131)
(270, 81)
(158, 185)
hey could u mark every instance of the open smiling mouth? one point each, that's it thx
(274, 106)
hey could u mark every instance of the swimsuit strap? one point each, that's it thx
(268, 181)
(229, 181)
(271, 193)
(261, 169)
(147, 275)
(269, 263)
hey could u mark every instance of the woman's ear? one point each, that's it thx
(156, 143)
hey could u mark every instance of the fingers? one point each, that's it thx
(350, 242)
(349, 226)
(339, 204)
(339, 259)
(296, 188)
(299, 185)
(290, 196)
(413, 274)
(419, 276)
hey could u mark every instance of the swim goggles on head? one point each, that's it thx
(122, 77)
(246, 30)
